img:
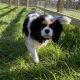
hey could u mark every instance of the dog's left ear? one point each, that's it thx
(58, 27)
(57, 30)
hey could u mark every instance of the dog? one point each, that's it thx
(38, 29)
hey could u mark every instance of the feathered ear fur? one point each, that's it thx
(58, 27)
(57, 30)
(64, 19)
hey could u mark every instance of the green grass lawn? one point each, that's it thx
(57, 62)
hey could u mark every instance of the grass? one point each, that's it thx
(57, 62)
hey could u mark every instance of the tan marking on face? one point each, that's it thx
(50, 21)
(44, 22)
(47, 22)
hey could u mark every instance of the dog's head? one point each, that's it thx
(51, 27)
(46, 26)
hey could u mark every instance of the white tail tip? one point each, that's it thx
(65, 20)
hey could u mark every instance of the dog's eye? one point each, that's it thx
(52, 25)
(44, 25)
(44, 22)
(52, 20)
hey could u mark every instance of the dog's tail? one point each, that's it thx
(64, 19)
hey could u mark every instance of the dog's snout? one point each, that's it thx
(47, 31)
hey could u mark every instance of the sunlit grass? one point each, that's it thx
(57, 61)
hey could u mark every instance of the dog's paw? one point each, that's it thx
(36, 60)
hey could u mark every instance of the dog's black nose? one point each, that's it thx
(47, 31)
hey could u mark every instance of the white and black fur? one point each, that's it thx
(38, 29)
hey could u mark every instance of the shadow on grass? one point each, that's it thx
(36, 74)
(6, 13)
(40, 73)
(13, 27)
(10, 48)
(3, 22)
(5, 7)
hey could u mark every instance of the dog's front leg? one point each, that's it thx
(32, 49)
(34, 53)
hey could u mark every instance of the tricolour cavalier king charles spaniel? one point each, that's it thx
(38, 29)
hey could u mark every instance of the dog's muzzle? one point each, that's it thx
(47, 32)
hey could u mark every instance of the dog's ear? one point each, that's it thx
(56, 38)
(57, 30)
(58, 27)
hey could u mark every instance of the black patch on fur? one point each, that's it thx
(36, 28)
(25, 29)
(57, 30)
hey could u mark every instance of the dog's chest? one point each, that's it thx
(36, 44)
(39, 45)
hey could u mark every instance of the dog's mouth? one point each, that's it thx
(47, 36)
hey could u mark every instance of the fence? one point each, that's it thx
(66, 7)
(27, 3)
(67, 4)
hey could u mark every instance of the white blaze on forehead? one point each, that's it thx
(49, 19)
(33, 14)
